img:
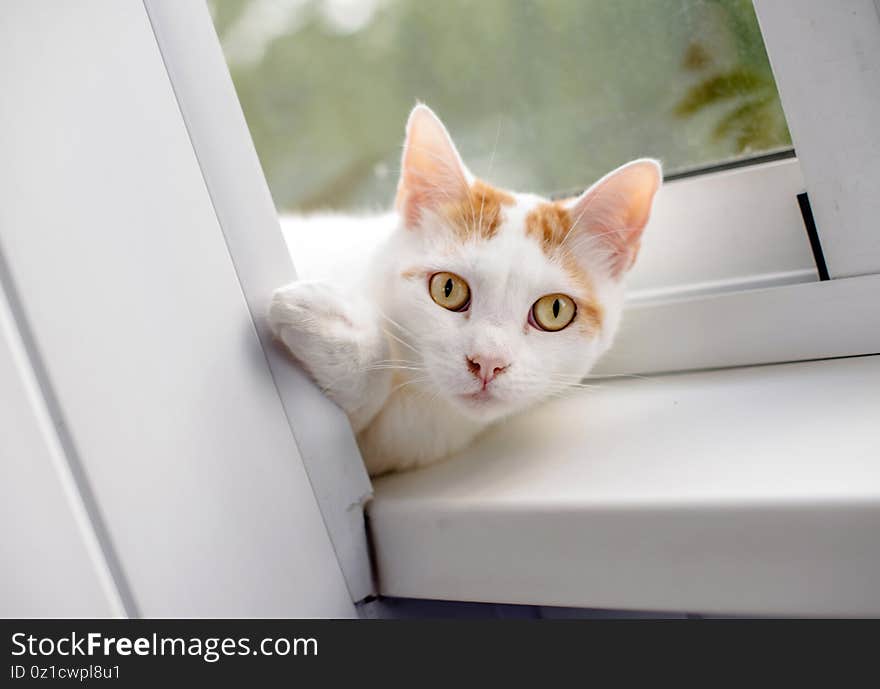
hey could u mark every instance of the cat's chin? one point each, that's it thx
(483, 405)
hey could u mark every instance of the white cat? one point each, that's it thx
(476, 303)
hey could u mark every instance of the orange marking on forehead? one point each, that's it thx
(478, 215)
(549, 224)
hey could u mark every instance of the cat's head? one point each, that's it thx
(506, 298)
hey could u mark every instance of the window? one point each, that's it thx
(827, 66)
(548, 96)
(540, 96)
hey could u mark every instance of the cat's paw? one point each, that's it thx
(315, 308)
(336, 338)
(324, 329)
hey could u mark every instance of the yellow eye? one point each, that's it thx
(553, 312)
(450, 291)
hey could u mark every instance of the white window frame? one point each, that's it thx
(721, 231)
(826, 61)
(780, 312)
(826, 58)
(734, 242)
(197, 70)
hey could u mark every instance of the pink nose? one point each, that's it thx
(486, 368)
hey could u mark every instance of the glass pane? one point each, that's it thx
(539, 96)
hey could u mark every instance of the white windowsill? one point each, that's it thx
(752, 490)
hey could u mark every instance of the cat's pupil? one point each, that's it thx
(447, 288)
(555, 308)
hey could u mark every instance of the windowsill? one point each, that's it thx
(752, 490)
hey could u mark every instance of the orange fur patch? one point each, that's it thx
(549, 224)
(589, 312)
(479, 214)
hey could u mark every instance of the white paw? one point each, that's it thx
(312, 306)
(337, 339)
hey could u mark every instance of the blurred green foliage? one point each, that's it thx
(755, 121)
(543, 96)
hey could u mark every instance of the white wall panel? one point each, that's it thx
(247, 216)
(52, 562)
(127, 285)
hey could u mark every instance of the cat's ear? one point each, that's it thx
(612, 214)
(432, 172)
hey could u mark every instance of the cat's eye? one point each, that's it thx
(553, 312)
(450, 291)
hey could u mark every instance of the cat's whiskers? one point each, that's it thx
(488, 174)
(559, 390)
(573, 382)
(411, 381)
(581, 386)
(599, 258)
(376, 366)
(397, 325)
(390, 367)
(571, 229)
(601, 376)
(403, 362)
(401, 341)
(593, 243)
(588, 241)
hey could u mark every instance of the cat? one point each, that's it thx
(476, 302)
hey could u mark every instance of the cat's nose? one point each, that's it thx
(486, 367)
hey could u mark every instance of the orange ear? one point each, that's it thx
(431, 170)
(615, 210)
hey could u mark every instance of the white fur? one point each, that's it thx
(337, 337)
(396, 362)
